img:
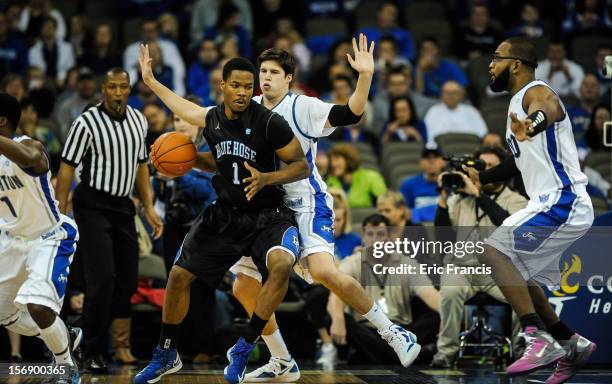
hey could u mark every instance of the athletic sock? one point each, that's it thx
(256, 325)
(277, 345)
(560, 331)
(57, 340)
(167, 337)
(532, 320)
(377, 317)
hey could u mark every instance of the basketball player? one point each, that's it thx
(37, 243)
(524, 252)
(248, 218)
(311, 119)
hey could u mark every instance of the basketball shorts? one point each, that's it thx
(316, 228)
(222, 233)
(535, 237)
(35, 271)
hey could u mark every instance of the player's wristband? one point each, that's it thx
(540, 122)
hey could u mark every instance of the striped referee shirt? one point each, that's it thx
(109, 148)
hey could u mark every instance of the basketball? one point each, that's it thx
(173, 154)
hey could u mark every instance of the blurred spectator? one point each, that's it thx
(51, 54)
(34, 14)
(345, 240)
(199, 72)
(387, 56)
(432, 71)
(268, 13)
(228, 47)
(13, 85)
(79, 35)
(70, 85)
(205, 14)
(320, 78)
(290, 40)
(403, 124)
(594, 135)
(350, 327)
(580, 114)
(362, 186)
(13, 50)
(563, 75)
(492, 140)
(478, 37)
(387, 24)
(215, 96)
(168, 26)
(29, 125)
(298, 87)
(604, 82)
(159, 122)
(322, 161)
(170, 55)
(421, 191)
(530, 24)
(13, 16)
(452, 116)
(70, 108)
(35, 78)
(143, 95)
(342, 90)
(102, 54)
(163, 72)
(586, 16)
(228, 25)
(398, 83)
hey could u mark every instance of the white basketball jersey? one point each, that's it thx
(307, 117)
(549, 162)
(27, 204)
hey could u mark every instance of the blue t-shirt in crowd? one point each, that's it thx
(345, 244)
(421, 197)
(435, 79)
(580, 122)
(402, 36)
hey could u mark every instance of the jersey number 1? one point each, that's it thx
(6, 201)
(236, 178)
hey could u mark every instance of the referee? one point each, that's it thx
(109, 141)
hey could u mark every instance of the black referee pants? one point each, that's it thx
(108, 249)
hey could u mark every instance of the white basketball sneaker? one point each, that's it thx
(277, 370)
(403, 342)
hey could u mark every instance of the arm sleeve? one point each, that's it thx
(341, 115)
(442, 217)
(310, 116)
(278, 132)
(504, 171)
(495, 212)
(77, 143)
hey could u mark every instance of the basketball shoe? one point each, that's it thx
(403, 342)
(578, 349)
(238, 357)
(277, 370)
(541, 350)
(164, 362)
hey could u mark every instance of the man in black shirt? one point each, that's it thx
(249, 218)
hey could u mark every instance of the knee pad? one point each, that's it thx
(24, 325)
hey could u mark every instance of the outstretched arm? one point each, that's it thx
(27, 154)
(188, 111)
(543, 108)
(363, 63)
(205, 162)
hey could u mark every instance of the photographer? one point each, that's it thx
(474, 213)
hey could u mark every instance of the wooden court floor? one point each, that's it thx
(206, 374)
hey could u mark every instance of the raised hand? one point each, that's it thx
(364, 57)
(145, 63)
(522, 129)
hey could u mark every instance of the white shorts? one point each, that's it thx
(535, 237)
(316, 227)
(35, 271)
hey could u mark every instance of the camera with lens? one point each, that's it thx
(453, 181)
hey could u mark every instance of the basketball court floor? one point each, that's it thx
(207, 374)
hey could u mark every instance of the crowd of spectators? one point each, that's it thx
(427, 83)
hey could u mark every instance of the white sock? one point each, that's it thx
(276, 345)
(56, 339)
(377, 317)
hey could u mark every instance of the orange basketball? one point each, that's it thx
(173, 154)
